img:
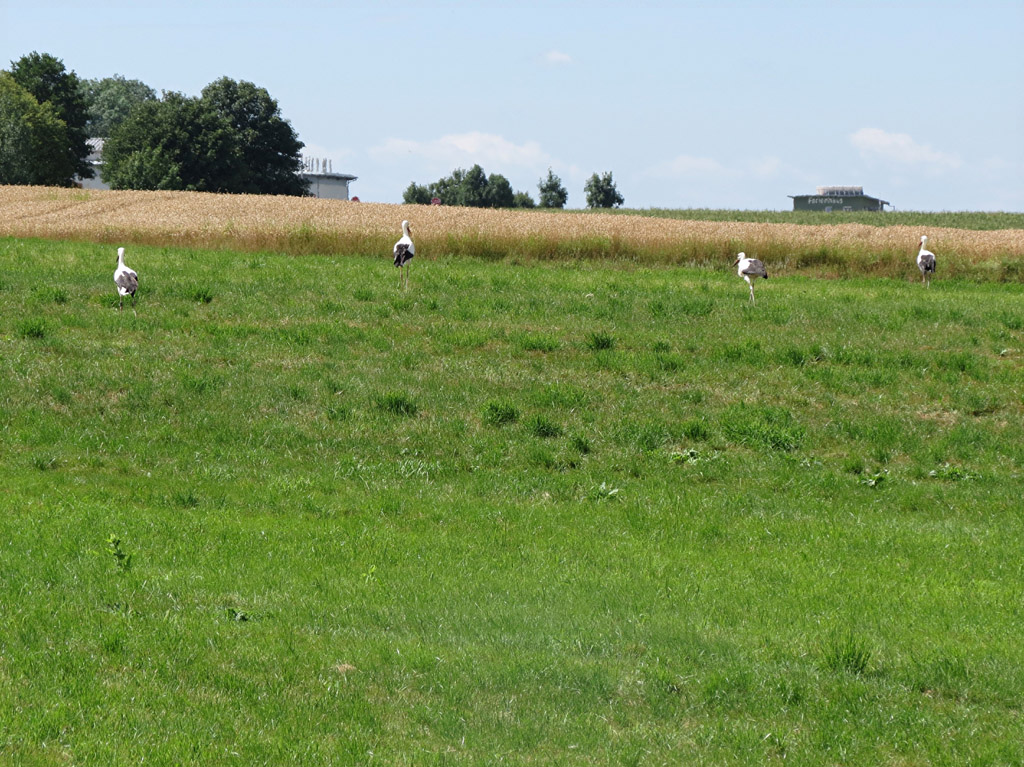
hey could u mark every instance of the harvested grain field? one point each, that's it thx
(303, 226)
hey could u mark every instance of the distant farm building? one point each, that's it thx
(323, 181)
(95, 160)
(838, 198)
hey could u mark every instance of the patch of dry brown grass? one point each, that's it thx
(305, 225)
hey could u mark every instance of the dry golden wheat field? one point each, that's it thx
(302, 226)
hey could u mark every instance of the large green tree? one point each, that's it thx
(268, 149)
(110, 100)
(173, 143)
(601, 192)
(232, 139)
(33, 140)
(45, 77)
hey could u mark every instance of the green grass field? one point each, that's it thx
(972, 220)
(542, 514)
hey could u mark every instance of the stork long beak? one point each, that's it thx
(735, 262)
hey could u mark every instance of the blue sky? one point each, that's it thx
(731, 104)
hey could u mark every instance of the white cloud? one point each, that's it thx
(557, 58)
(767, 167)
(900, 148)
(689, 166)
(708, 169)
(465, 149)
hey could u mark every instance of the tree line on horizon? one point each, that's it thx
(232, 138)
(475, 189)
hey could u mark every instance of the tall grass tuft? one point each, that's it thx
(498, 413)
(600, 341)
(33, 328)
(846, 652)
(397, 403)
(542, 427)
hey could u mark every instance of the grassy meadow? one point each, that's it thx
(975, 220)
(535, 513)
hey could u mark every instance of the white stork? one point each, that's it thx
(926, 262)
(126, 279)
(404, 251)
(750, 269)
